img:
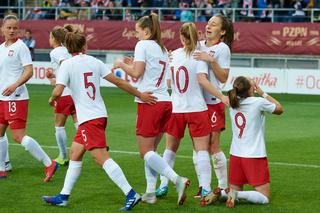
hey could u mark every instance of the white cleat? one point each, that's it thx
(181, 186)
(149, 198)
(8, 166)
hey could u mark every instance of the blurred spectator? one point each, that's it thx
(299, 15)
(224, 4)
(186, 15)
(247, 6)
(30, 42)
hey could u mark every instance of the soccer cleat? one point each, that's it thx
(8, 166)
(61, 161)
(232, 196)
(50, 170)
(211, 197)
(181, 186)
(58, 200)
(132, 199)
(162, 192)
(149, 198)
(198, 195)
(3, 174)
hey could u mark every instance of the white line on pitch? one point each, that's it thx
(189, 157)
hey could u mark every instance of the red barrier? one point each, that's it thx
(265, 38)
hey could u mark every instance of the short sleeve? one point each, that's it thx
(224, 57)
(267, 106)
(140, 52)
(103, 70)
(24, 55)
(64, 76)
(202, 67)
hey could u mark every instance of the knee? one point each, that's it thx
(17, 138)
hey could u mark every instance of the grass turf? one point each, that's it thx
(292, 145)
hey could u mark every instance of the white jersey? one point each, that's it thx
(222, 55)
(187, 94)
(13, 59)
(248, 123)
(57, 55)
(156, 65)
(82, 74)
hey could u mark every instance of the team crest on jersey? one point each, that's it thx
(10, 53)
(211, 53)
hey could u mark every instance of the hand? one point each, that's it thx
(203, 56)
(148, 98)
(117, 63)
(52, 81)
(128, 60)
(50, 74)
(9, 90)
(225, 100)
(257, 88)
(52, 102)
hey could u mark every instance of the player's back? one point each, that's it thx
(83, 75)
(187, 94)
(248, 123)
(156, 64)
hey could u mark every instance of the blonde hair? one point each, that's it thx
(152, 23)
(10, 17)
(190, 35)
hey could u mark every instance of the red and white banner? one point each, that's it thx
(290, 81)
(264, 38)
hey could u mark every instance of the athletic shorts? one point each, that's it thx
(252, 171)
(91, 134)
(14, 113)
(217, 117)
(198, 124)
(65, 106)
(153, 119)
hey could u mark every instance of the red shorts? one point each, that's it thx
(153, 119)
(14, 113)
(91, 134)
(65, 106)
(252, 171)
(217, 117)
(198, 124)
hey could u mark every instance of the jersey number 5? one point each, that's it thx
(240, 121)
(88, 84)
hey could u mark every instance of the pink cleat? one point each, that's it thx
(50, 170)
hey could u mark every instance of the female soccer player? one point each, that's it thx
(65, 106)
(216, 51)
(15, 70)
(248, 161)
(149, 65)
(188, 77)
(82, 74)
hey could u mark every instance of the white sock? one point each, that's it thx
(159, 165)
(35, 150)
(116, 175)
(151, 177)
(76, 125)
(61, 138)
(220, 168)
(73, 173)
(253, 197)
(194, 159)
(169, 156)
(7, 155)
(204, 169)
(3, 152)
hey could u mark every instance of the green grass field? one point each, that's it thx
(292, 145)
